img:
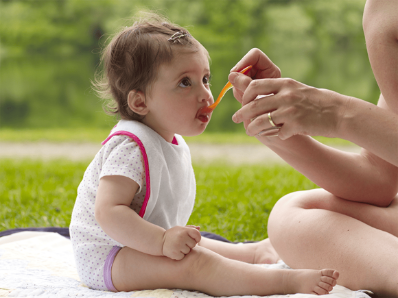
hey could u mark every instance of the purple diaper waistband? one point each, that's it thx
(108, 268)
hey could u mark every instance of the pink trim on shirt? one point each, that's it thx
(147, 175)
(174, 142)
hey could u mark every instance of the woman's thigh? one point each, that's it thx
(314, 229)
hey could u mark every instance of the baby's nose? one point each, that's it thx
(208, 97)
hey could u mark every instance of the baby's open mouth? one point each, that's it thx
(203, 116)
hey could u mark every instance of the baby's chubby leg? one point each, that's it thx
(261, 252)
(208, 272)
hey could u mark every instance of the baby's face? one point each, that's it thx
(179, 92)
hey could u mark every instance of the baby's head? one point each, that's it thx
(132, 59)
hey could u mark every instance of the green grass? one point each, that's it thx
(98, 135)
(37, 194)
(232, 201)
(54, 135)
(235, 201)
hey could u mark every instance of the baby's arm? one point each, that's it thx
(120, 222)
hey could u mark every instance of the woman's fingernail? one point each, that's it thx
(235, 118)
(233, 69)
(232, 77)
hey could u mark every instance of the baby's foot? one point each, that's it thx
(319, 282)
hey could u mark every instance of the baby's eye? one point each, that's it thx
(185, 82)
(206, 80)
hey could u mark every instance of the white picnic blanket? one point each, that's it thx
(41, 264)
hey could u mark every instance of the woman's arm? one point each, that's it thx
(371, 176)
(302, 109)
(380, 24)
(357, 177)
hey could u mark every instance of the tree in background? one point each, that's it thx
(49, 50)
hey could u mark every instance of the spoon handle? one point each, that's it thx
(221, 95)
(226, 88)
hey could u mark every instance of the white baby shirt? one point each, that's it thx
(169, 179)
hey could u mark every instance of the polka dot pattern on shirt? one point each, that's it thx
(119, 156)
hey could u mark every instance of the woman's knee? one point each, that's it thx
(306, 199)
(286, 203)
(279, 213)
(288, 208)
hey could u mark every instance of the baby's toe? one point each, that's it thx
(330, 272)
(329, 280)
(325, 286)
(320, 291)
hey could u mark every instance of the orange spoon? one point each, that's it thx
(224, 90)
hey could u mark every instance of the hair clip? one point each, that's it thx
(176, 36)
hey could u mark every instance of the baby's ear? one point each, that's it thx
(136, 102)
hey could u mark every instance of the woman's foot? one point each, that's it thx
(264, 253)
(307, 281)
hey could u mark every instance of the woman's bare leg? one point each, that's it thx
(314, 229)
(206, 271)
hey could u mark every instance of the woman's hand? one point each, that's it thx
(262, 67)
(295, 107)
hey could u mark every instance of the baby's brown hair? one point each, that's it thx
(131, 59)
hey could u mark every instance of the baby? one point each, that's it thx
(128, 225)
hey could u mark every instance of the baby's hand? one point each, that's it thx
(178, 241)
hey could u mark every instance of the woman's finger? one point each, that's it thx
(262, 125)
(237, 94)
(262, 87)
(256, 108)
(239, 81)
(263, 67)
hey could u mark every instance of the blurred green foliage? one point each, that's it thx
(49, 50)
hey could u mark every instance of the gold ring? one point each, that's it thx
(270, 120)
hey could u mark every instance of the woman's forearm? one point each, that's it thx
(302, 111)
(347, 175)
(365, 177)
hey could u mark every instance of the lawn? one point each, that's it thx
(233, 201)
(98, 135)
